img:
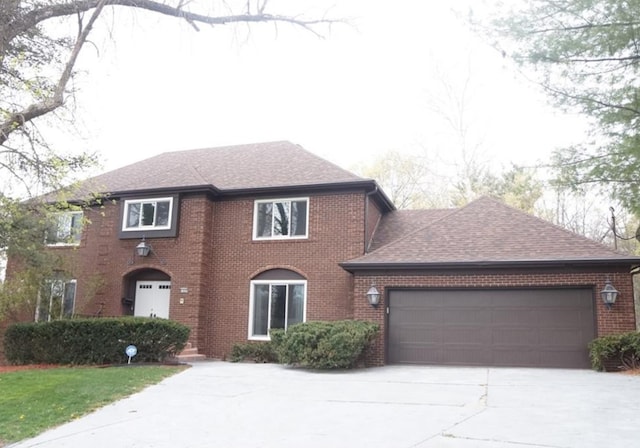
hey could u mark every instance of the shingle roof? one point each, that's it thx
(487, 232)
(229, 168)
(399, 223)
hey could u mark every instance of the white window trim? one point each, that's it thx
(125, 214)
(65, 243)
(279, 237)
(50, 298)
(252, 337)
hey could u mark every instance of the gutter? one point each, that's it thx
(431, 266)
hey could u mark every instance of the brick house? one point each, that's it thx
(233, 241)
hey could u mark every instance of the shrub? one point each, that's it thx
(93, 341)
(253, 351)
(622, 349)
(324, 345)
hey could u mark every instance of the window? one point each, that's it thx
(147, 214)
(56, 300)
(65, 230)
(278, 219)
(276, 304)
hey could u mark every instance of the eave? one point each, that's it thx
(632, 263)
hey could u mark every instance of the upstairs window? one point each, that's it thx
(56, 300)
(281, 219)
(147, 214)
(65, 230)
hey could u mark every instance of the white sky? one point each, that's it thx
(154, 85)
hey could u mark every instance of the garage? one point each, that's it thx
(491, 327)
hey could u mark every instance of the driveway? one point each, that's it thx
(218, 404)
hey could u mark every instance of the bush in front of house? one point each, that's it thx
(94, 341)
(620, 351)
(253, 351)
(324, 345)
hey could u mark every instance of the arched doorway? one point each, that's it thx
(148, 293)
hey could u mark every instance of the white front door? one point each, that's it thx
(152, 298)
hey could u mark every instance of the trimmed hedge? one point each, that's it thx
(324, 345)
(94, 341)
(618, 351)
(253, 351)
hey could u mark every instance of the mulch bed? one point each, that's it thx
(4, 369)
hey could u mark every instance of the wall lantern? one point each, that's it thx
(609, 294)
(373, 296)
(144, 249)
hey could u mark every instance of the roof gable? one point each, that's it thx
(487, 231)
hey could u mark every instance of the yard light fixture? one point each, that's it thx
(373, 296)
(609, 294)
(144, 249)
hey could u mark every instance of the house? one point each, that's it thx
(236, 240)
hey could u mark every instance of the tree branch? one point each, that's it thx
(66, 9)
(31, 19)
(18, 119)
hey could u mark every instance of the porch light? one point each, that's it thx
(609, 294)
(143, 249)
(373, 296)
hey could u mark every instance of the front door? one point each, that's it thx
(152, 298)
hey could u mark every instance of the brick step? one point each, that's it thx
(188, 354)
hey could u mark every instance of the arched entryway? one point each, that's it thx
(148, 293)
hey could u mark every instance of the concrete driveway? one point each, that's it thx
(218, 404)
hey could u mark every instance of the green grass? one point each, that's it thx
(34, 400)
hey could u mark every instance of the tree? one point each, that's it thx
(406, 178)
(518, 187)
(37, 62)
(586, 55)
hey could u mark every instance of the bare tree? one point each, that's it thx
(37, 64)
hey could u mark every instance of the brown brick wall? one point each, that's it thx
(617, 320)
(336, 233)
(103, 263)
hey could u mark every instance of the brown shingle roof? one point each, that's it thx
(229, 168)
(487, 231)
(399, 223)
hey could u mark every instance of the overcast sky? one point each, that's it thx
(392, 81)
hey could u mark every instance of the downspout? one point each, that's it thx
(635, 270)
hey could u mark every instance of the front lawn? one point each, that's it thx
(32, 401)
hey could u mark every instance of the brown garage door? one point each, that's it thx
(534, 328)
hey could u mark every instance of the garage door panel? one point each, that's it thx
(544, 327)
(463, 356)
(466, 315)
(515, 336)
(418, 333)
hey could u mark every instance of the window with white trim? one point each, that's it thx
(57, 300)
(147, 214)
(281, 218)
(65, 230)
(276, 304)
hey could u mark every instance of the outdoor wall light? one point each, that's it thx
(373, 296)
(609, 294)
(143, 249)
